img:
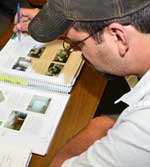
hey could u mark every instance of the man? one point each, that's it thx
(114, 37)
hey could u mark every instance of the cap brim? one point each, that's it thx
(48, 25)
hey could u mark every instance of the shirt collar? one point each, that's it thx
(138, 92)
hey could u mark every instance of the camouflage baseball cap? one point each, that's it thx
(56, 16)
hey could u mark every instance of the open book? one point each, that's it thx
(44, 66)
(29, 118)
(35, 81)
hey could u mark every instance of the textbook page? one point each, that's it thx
(30, 117)
(47, 63)
(14, 156)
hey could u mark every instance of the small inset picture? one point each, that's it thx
(1, 123)
(36, 52)
(15, 120)
(62, 56)
(2, 98)
(22, 64)
(54, 69)
(39, 104)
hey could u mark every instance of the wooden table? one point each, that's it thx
(81, 107)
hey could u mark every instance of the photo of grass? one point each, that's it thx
(62, 56)
(54, 69)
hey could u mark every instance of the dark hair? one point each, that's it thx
(140, 20)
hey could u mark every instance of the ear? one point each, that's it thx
(120, 34)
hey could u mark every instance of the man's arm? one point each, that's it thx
(95, 130)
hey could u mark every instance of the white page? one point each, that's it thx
(30, 117)
(14, 156)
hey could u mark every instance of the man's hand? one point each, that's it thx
(26, 15)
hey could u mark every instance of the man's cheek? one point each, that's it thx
(86, 54)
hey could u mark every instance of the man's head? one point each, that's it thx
(111, 26)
